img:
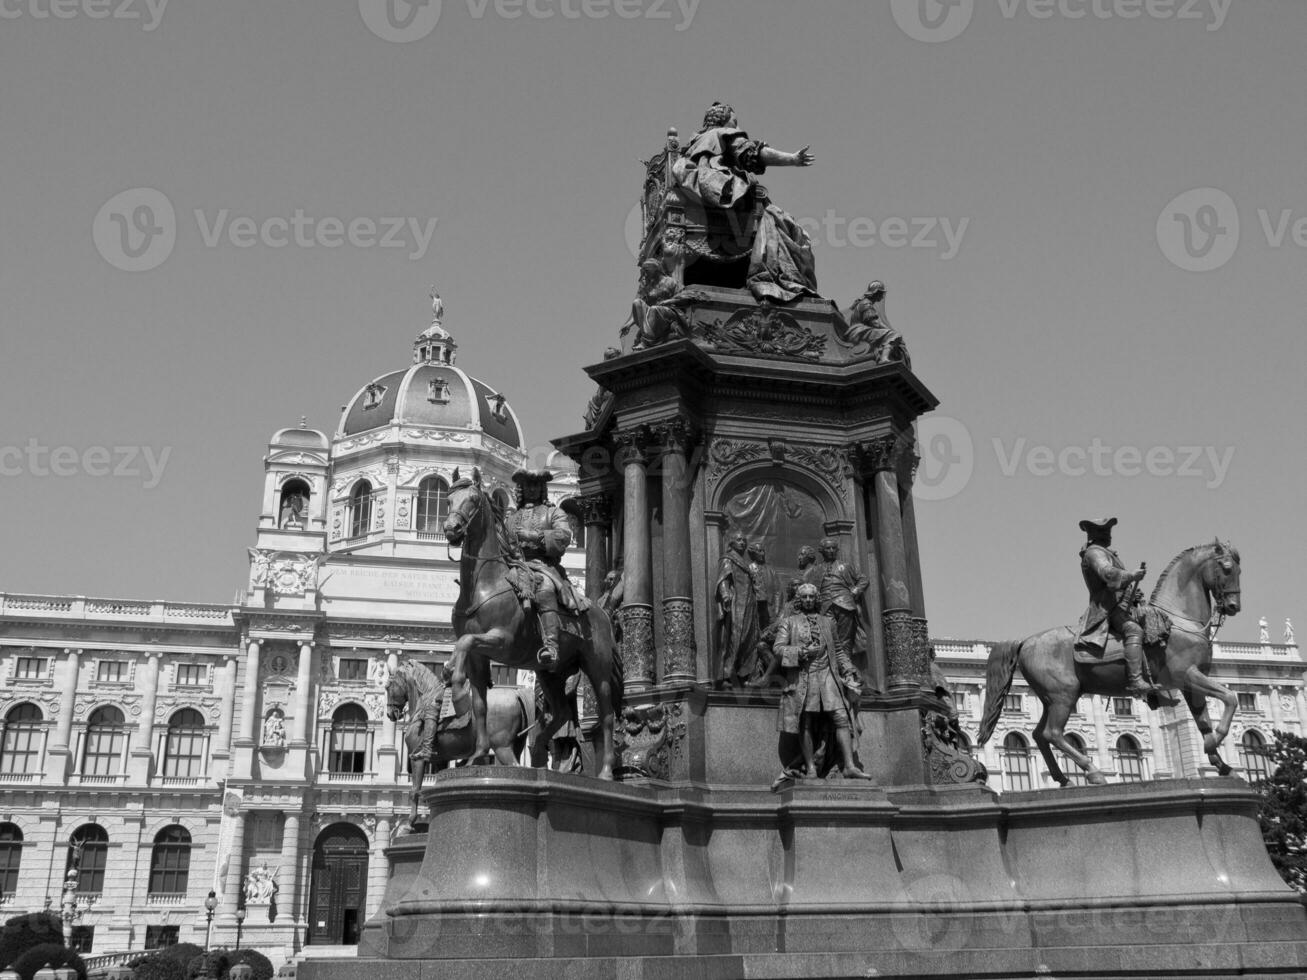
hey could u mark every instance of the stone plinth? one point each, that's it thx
(404, 864)
(562, 876)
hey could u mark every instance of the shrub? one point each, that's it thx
(212, 964)
(183, 953)
(56, 954)
(263, 969)
(22, 932)
(158, 967)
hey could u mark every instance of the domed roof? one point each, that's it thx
(432, 392)
(300, 438)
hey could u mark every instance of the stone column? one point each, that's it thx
(1102, 754)
(303, 693)
(905, 633)
(64, 728)
(387, 753)
(597, 513)
(637, 588)
(378, 869)
(678, 653)
(289, 897)
(143, 752)
(1302, 709)
(222, 746)
(250, 694)
(1277, 716)
(1161, 758)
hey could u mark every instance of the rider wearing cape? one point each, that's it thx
(543, 533)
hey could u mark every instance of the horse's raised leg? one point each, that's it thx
(1052, 728)
(419, 773)
(1197, 687)
(1045, 749)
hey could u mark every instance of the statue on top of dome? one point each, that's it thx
(437, 307)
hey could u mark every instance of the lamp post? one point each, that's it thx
(210, 904)
(240, 923)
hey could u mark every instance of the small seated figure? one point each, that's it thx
(659, 311)
(292, 511)
(274, 729)
(260, 885)
(866, 324)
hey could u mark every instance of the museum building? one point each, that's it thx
(181, 748)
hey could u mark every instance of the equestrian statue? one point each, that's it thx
(515, 607)
(437, 737)
(1120, 638)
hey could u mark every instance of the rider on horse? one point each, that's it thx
(1112, 590)
(543, 532)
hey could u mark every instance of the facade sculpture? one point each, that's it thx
(1113, 592)
(260, 885)
(737, 614)
(821, 686)
(659, 311)
(1288, 633)
(274, 729)
(767, 584)
(842, 586)
(543, 533)
(1263, 631)
(865, 325)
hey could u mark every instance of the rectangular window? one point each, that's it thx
(960, 700)
(112, 672)
(11, 856)
(352, 670)
(171, 869)
(192, 675)
(184, 753)
(158, 937)
(1123, 706)
(90, 873)
(82, 939)
(1012, 702)
(20, 749)
(1247, 701)
(104, 751)
(29, 668)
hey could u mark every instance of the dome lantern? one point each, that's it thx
(435, 345)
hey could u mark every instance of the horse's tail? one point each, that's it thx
(998, 678)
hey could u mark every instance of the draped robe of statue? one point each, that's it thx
(737, 627)
(718, 170)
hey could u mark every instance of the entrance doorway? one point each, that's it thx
(338, 890)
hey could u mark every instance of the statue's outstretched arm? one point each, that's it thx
(773, 157)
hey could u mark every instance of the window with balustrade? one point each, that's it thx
(1016, 762)
(1253, 759)
(433, 505)
(348, 751)
(1129, 759)
(184, 748)
(1074, 774)
(170, 861)
(105, 740)
(82, 939)
(20, 743)
(92, 841)
(360, 509)
(11, 857)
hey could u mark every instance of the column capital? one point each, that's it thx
(884, 453)
(632, 446)
(597, 508)
(675, 435)
(305, 643)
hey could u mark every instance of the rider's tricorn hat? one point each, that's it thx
(1102, 524)
(524, 475)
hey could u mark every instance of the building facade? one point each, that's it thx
(178, 748)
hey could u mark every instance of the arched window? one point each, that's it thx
(106, 735)
(433, 504)
(1074, 774)
(1016, 762)
(11, 856)
(170, 861)
(1130, 760)
(93, 842)
(360, 509)
(183, 753)
(293, 512)
(1252, 756)
(20, 745)
(349, 740)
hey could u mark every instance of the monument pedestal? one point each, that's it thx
(561, 876)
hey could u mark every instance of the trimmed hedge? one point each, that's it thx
(212, 964)
(183, 953)
(263, 969)
(158, 967)
(55, 954)
(23, 932)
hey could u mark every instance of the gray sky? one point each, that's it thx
(1061, 319)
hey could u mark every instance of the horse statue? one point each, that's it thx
(492, 625)
(433, 743)
(1185, 593)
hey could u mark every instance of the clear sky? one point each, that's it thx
(1013, 172)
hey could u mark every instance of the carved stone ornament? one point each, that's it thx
(946, 760)
(726, 454)
(883, 453)
(678, 637)
(632, 446)
(906, 665)
(652, 739)
(765, 331)
(637, 643)
(403, 519)
(597, 508)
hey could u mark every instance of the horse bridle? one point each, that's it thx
(1220, 594)
(465, 521)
